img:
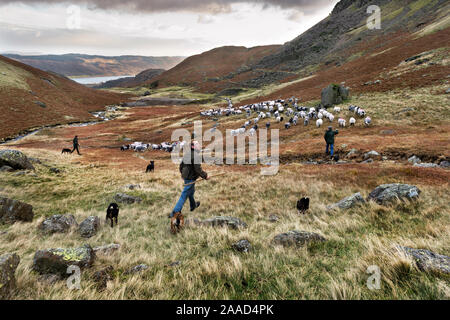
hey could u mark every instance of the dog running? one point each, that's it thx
(112, 213)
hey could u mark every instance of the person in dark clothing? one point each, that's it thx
(329, 139)
(190, 172)
(76, 145)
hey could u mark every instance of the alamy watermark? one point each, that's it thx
(74, 281)
(374, 280)
(374, 21)
(73, 21)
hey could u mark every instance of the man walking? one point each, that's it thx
(329, 139)
(190, 172)
(76, 145)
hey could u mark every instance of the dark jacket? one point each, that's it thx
(192, 171)
(75, 142)
(329, 136)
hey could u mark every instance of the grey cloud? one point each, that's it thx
(205, 6)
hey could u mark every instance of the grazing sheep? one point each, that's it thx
(337, 109)
(341, 122)
(306, 121)
(287, 125)
(319, 123)
(252, 132)
(320, 115)
(367, 121)
(352, 121)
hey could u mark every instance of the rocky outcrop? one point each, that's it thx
(348, 202)
(388, 193)
(297, 238)
(127, 199)
(138, 268)
(15, 159)
(89, 227)
(334, 94)
(427, 260)
(372, 155)
(58, 224)
(12, 211)
(426, 165)
(414, 160)
(6, 169)
(56, 261)
(8, 265)
(242, 246)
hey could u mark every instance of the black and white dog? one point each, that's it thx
(303, 205)
(112, 213)
(150, 167)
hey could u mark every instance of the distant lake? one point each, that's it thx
(97, 80)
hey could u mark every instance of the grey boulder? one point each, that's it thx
(15, 159)
(426, 165)
(414, 160)
(127, 199)
(230, 222)
(8, 266)
(89, 227)
(297, 238)
(107, 249)
(12, 211)
(388, 193)
(427, 260)
(56, 261)
(242, 246)
(58, 224)
(348, 202)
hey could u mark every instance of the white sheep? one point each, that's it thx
(352, 121)
(367, 121)
(341, 122)
(319, 123)
(337, 109)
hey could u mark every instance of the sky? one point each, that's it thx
(152, 27)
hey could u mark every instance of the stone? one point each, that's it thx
(107, 249)
(174, 264)
(231, 222)
(12, 211)
(426, 165)
(348, 202)
(371, 154)
(334, 94)
(19, 174)
(127, 199)
(15, 159)
(273, 218)
(242, 246)
(55, 170)
(89, 227)
(297, 238)
(388, 193)
(414, 160)
(58, 224)
(444, 164)
(138, 268)
(8, 265)
(352, 154)
(428, 261)
(132, 186)
(102, 277)
(6, 169)
(370, 160)
(56, 261)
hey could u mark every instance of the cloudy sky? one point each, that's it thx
(152, 27)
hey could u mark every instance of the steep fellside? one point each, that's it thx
(87, 65)
(32, 98)
(143, 77)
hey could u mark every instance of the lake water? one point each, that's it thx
(97, 80)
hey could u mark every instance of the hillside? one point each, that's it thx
(213, 70)
(90, 65)
(143, 77)
(31, 98)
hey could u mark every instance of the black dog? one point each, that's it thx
(303, 205)
(112, 213)
(66, 151)
(336, 158)
(150, 167)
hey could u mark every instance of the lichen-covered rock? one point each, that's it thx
(334, 94)
(49, 279)
(348, 202)
(127, 199)
(387, 193)
(231, 222)
(89, 227)
(58, 224)
(444, 164)
(6, 169)
(102, 277)
(242, 246)
(428, 261)
(138, 268)
(107, 249)
(15, 159)
(56, 261)
(8, 266)
(12, 211)
(297, 238)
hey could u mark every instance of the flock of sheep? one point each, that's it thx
(278, 109)
(165, 146)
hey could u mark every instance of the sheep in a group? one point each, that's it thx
(331, 117)
(306, 121)
(287, 125)
(319, 123)
(341, 122)
(320, 115)
(252, 132)
(367, 121)
(337, 109)
(352, 121)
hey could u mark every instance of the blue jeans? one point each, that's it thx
(331, 147)
(188, 192)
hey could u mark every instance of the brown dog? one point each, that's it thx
(176, 223)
